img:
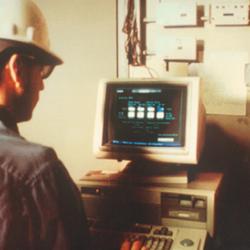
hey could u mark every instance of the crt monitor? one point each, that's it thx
(159, 120)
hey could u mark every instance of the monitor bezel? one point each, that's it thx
(194, 129)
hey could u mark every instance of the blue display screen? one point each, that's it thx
(152, 115)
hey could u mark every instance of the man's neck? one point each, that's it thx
(7, 119)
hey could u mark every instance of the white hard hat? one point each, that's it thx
(22, 25)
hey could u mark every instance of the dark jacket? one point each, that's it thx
(40, 206)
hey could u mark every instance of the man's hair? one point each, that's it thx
(8, 48)
(5, 56)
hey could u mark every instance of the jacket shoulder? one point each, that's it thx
(24, 159)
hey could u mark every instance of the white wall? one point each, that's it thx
(83, 33)
(231, 40)
(221, 63)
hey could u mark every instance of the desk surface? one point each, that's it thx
(207, 181)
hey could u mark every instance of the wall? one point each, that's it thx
(216, 39)
(82, 32)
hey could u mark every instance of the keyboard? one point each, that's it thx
(146, 237)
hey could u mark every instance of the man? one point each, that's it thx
(40, 207)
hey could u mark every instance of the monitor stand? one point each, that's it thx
(150, 172)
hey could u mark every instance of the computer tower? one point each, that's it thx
(118, 199)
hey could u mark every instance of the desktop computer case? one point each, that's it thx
(121, 200)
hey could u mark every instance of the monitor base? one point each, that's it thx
(158, 173)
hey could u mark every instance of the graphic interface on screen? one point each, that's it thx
(145, 115)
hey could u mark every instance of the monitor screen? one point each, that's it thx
(145, 115)
(157, 119)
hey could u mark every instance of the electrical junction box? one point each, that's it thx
(176, 13)
(176, 49)
(230, 13)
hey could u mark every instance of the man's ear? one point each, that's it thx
(15, 68)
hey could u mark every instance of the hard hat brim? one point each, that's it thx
(46, 57)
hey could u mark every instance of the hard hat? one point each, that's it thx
(23, 26)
